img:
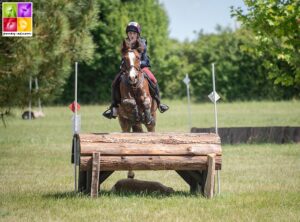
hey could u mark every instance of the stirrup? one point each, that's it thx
(162, 108)
(109, 114)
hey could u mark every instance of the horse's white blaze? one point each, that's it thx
(132, 72)
(131, 58)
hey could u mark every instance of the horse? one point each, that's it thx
(136, 107)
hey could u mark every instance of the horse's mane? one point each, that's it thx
(126, 46)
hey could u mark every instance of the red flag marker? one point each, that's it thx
(72, 107)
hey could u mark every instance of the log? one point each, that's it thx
(116, 149)
(184, 152)
(152, 138)
(210, 180)
(112, 163)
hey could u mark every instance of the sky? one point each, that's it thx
(188, 16)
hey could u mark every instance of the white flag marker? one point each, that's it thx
(187, 81)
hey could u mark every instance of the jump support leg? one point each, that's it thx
(95, 174)
(210, 180)
(201, 181)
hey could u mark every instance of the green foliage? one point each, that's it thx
(91, 32)
(276, 25)
(60, 36)
(175, 66)
(240, 75)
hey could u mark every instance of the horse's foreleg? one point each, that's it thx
(147, 112)
(151, 127)
(130, 174)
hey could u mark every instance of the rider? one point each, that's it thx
(133, 31)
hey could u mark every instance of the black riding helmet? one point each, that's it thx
(133, 27)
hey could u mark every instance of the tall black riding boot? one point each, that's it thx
(115, 97)
(155, 94)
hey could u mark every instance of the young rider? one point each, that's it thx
(133, 31)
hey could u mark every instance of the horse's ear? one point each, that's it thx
(125, 46)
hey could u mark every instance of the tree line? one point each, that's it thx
(258, 61)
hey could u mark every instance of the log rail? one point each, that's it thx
(194, 156)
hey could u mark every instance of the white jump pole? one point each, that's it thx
(75, 130)
(216, 120)
(76, 67)
(189, 105)
(187, 81)
(215, 102)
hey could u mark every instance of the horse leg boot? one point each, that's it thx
(136, 113)
(147, 113)
(154, 91)
(111, 112)
(148, 118)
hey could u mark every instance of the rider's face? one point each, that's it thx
(132, 36)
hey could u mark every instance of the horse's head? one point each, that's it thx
(131, 58)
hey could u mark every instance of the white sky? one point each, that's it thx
(187, 16)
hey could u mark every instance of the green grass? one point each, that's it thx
(259, 182)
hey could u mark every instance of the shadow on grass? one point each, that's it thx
(64, 195)
(147, 194)
(104, 193)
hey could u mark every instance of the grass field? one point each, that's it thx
(259, 182)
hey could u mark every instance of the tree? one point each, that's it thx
(174, 68)
(61, 35)
(240, 74)
(276, 24)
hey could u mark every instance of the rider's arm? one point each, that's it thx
(145, 61)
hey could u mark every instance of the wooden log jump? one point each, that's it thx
(194, 156)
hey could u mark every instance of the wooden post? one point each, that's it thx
(210, 180)
(95, 174)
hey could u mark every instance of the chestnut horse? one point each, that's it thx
(137, 105)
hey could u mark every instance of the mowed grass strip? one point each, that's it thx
(259, 182)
